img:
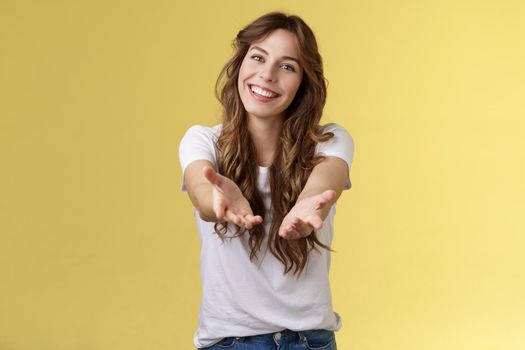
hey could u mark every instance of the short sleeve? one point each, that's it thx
(198, 143)
(341, 145)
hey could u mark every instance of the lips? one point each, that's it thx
(261, 98)
(265, 89)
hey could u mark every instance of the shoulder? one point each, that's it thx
(199, 143)
(201, 134)
(199, 137)
(340, 133)
(203, 130)
(340, 145)
(332, 127)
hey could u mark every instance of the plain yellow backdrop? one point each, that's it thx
(98, 245)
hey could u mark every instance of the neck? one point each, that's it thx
(265, 135)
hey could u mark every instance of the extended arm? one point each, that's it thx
(216, 197)
(322, 189)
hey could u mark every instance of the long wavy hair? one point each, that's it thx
(295, 156)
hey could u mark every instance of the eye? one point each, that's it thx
(289, 67)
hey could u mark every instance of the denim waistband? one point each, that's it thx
(283, 334)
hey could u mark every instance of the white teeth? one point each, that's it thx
(262, 92)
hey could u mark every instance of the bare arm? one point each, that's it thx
(199, 189)
(330, 174)
(216, 197)
(322, 189)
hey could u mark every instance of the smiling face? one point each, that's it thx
(270, 75)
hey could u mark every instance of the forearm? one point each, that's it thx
(330, 174)
(202, 199)
(309, 191)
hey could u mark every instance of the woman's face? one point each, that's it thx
(270, 75)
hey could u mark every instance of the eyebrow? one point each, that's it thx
(283, 57)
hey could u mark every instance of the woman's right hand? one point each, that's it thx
(229, 204)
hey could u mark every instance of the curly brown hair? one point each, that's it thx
(299, 135)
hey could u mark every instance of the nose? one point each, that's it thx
(268, 74)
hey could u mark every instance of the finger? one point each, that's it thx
(253, 220)
(315, 222)
(325, 198)
(283, 230)
(231, 217)
(240, 219)
(297, 229)
(296, 223)
(303, 228)
(293, 234)
(245, 221)
(288, 227)
(250, 221)
(219, 212)
(286, 231)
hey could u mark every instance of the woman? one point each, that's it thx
(264, 184)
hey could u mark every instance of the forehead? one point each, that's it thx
(280, 42)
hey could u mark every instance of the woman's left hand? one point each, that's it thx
(305, 216)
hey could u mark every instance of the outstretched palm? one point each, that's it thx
(229, 204)
(305, 216)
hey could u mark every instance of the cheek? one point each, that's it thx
(294, 87)
(244, 73)
(241, 78)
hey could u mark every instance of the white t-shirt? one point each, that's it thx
(242, 297)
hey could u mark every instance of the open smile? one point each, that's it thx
(262, 95)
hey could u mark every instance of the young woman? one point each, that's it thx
(264, 184)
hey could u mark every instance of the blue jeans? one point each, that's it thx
(317, 339)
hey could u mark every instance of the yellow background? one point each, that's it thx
(98, 245)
